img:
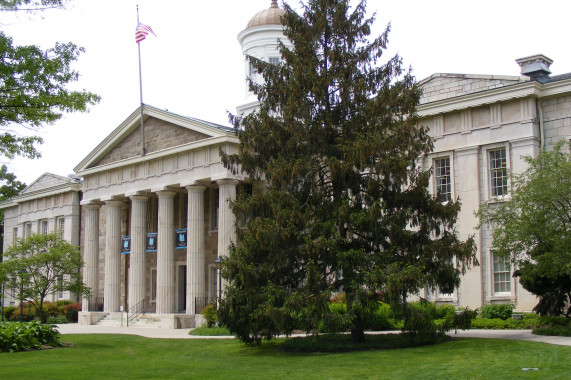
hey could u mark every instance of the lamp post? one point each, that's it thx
(218, 262)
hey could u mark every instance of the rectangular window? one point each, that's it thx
(442, 180)
(44, 227)
(502, 275)
(14, 235)
(274, 61)
(27, 230)
(215, 202)
(60, 285)
(498, 173)
(61, 226)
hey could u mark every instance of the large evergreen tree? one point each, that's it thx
(341, 202)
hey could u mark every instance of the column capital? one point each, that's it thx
(195, 188)
(227, 181)
(166, 193)
(114, 202)
(91, 206)
(138, 197)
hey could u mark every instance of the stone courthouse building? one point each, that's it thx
(151, 212)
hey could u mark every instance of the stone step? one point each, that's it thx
(114, 319)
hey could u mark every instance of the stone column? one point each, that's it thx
(226, 218)
(165, 253)
(137, 288)
(112, 287)
(91, 254)
(195, 253)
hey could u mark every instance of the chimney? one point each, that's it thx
(536, 67)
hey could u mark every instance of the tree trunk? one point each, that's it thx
(357, 333)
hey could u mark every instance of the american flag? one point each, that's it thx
(142, 31)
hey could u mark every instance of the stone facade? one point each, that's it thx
(159, 134)
(474, 119)
(180, 183)
(49, 204)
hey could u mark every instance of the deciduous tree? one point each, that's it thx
(343, 204)
(533, 228)
(33, 86)
(39, 265)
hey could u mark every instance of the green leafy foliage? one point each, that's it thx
(56, 320)
(9, 187)
(210, 315)
(553, 330)
(338, 199)
(501, 311)
(39, 265)
(33, 85)
(30, 5)
(533, 228)
(15, 337)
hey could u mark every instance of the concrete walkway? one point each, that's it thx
(149, 332)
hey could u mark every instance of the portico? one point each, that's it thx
(153, 225)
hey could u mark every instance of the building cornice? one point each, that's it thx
(44, 193)
(517, 91)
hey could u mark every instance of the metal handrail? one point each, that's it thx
(135, 311)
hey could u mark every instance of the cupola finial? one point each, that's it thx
(274, 4)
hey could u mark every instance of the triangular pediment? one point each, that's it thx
(46, 181)
(163, 131)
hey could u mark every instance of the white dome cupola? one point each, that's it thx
(260, 40)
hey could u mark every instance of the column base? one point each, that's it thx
(88, 318)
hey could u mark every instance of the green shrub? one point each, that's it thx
(501, 311)
(210, 315)
(8, 312)
(15, 337)
(336, 320)
(497, 323)
(417, 322)
(29, 313)
(439, 311)
(560, 321)
(71, 310)
(382, 319)
(555, 330)
(56, 320)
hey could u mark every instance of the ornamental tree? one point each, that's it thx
(533, 228)
(39, 265)
(339, 201)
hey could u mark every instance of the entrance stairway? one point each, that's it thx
(143, 320)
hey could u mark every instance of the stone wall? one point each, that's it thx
(159, 135)
(556, 119)
(446, 86)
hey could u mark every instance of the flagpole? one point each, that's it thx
(141, 92)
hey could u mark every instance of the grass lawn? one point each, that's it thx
(134, 357)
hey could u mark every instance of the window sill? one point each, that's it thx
(501, 297)
(502, 199)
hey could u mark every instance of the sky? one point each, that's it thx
(194, 65)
